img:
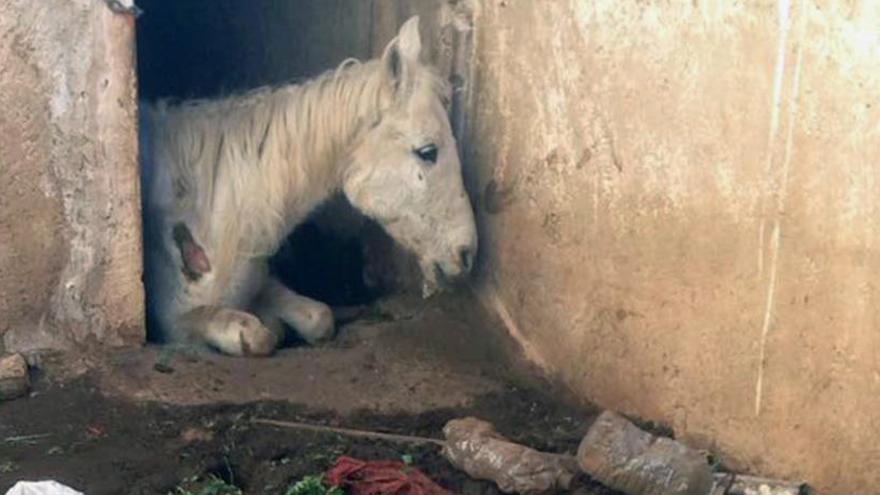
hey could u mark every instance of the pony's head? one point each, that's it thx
(405, 172)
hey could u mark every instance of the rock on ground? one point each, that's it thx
(622, 456)
(475, 447)
(14, 381)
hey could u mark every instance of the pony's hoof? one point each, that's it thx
(256, 339)
(321, 325)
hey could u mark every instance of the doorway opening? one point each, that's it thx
(212, 48)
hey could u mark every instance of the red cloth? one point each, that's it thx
(381, 478)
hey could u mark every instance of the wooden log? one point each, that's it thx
(351, 432)
(474, 446)
(622, 456)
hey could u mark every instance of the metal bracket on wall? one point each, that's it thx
(126, 7)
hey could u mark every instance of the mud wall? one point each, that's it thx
(679, 216)
(70, 253)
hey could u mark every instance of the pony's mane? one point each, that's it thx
(264, 158)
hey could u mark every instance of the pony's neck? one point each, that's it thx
(257, 164)
(330, 112)
(303, 147)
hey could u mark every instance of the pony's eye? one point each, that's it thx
(427, 153)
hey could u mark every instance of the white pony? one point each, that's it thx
(226, 180)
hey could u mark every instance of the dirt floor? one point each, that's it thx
(149, 421)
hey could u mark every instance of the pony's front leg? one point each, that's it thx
(231, 331)
(312, 320)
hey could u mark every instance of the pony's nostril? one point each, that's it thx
(466, 255)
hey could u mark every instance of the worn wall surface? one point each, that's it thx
(70, 259)
(678, 204)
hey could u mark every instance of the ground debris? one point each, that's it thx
(195, 434)
(374, 435)
(738, 484)
(381, 477)
(474, 446)
(46, 487)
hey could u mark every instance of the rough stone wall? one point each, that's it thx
(70, 245)
(678, 207)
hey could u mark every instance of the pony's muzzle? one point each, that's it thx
(445, 278)
(455, 269)
(466, 258)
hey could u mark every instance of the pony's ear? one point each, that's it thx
(408, 39)
(402, 55)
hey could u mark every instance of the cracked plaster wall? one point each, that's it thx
(678, 210)
(70, 253)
